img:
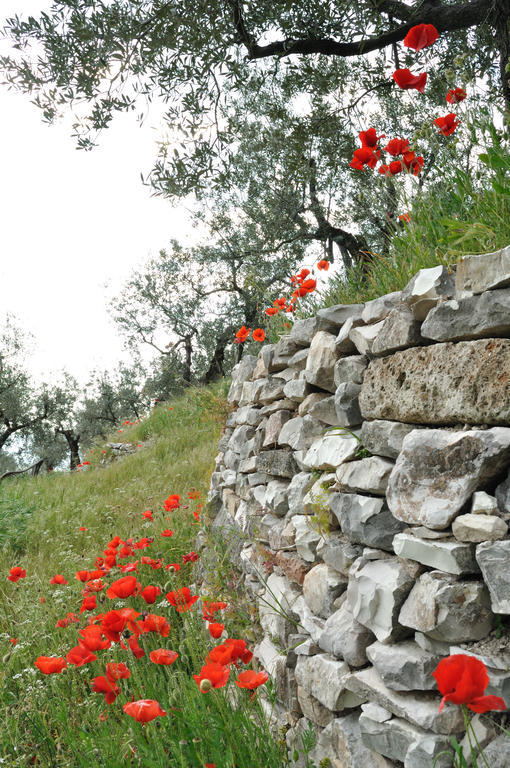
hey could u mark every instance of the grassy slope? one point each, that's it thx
(55, 719)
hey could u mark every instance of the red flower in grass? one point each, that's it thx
(412, 163)
(124, 587)
(405, 217)
(150, 593)
(212, 676)
(405, 79)
(58, 579)
(92, 638)
(50, 665)
(397, 147)
(239, 650)
(421, 36)
(216, 630)
(250, 679)
(147, 514)
(191, 557)
(112, 624)
(167, 533)
(154, 623)
(211, 608)
(16, 573)
(258, 335)
(82, 575)
(163, 656)
(144, 710)
(89, 603)
(80, 655)
(172, 502)
(242, 334)
(101, 684)
(181, 599)
(82, 528)
(447, 124)
(370, 138)
(134, 647)
(462, 679)
(222, 654)
(271, 311)
(455, 95)
(323, 264)
(365, 156)
(117, 671)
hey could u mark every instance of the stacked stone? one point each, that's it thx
(365, 474)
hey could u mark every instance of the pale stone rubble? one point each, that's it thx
(368, 454)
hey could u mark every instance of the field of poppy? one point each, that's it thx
(111, 656)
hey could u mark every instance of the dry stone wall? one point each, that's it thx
(365, 471)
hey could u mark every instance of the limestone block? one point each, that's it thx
(317, 497)
(260, 371)
(426, 288)
(267, 524)
(399, 740)
(502, 494)
(293, 566)
(419, 708)
(325, 411)
(483, 504)
(494, 561)
(365, 520)
(321, 361)
(350, 369)
(247, 466)
(296, 390)
(363, 337)
(298, 361)
(497, 753)
(450, 556)
(274, 426)
(478, 528)
(267, 654)
(271, 390)
(304, 330)
(277, 498)
(330, 451)
(288, 374)
(312, 709)
(422, 386)
(306, 538)
(438, 470)
(378, 309)
(283, 350)
(242, 372)
(300, 432)
(310, 401)
(239, 437)
(376, 591)
(323, 677)
(344, 344)
(404, 666)
(342, 744)
(345, 638)
(276, 607)
(384, 438)
(280, 463)
(283, 537)
(278, 405)
(483, 272)
(399, 331)
(332, 318)
(248, 415)
(321, 586)
(474, 317)
(368, 475)
(448, 609)
(338, 552)
(347, 404)
(308, 621)
(297, 490)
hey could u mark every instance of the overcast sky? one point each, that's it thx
(72, 223)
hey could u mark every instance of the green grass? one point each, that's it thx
(55, 720)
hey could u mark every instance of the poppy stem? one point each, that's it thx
(470, 731)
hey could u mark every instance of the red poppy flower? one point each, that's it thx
(397, 147)
(405, 79)
(92, 638)
(167, 533)
(82, 528)
(259, 335)
(82, 575)
(369, 138)
(212, 676)
(447, 124)
(191, 557)
(42, 600)
(96, 585)
(412, 163)
(13, 640)
(365, 156)
(181, 599)
(102, 685)
(173, 501)
(112, 625)
(150, 594)
(271, 311)
(323, 264)
(163, 656)
(421, 36)
(117, 671)
(80, 655)
(239, 650)
(250, 679)
(455, 95)
(147, 514)
(223, 654)
(216, 630)
(58, 579)
(134, 647)
(89, 603)
(16, 573)
(50, 664)
(242, 334)
(154, 623)
(462, 679)
(124, 587)
(211, 608)
(406, 217)
(144, 710)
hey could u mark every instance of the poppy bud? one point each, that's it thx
(450, 75)
(205, 685)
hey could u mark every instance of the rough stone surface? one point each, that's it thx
(345, 638)
(276, 604)
(321, 586)
(474, 317)
(384, 438)
(283, 351)
(274, 426)
(483, 504)
(293, 566)
(271, 390)
(350, 369)
(399, 740)
(338, 552)
(279, 463)
(306, 538)
(484, 272)
(347, 405)
(378, 309)
(450, 556)
(297, 490)
(296, 390)
(311, 623)
(365, 520)
(448, 609)
(300, 432)
(320, 364)
(332, 318)
(478, 528)
(398, 331)
(376, 592)
(437, 471)
(298, 361)
(363, 337)
(494, 561)
(497, 753)
(344, 344)
(303, 331)
(324, 678)
(404, 666)
(426, 288)
(341, 742)
(421, 386)
(330, 451)
(310, 401)
(312, 709)
(369, 475)
(277, 497)
(325, 412)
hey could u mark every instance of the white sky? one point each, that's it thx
(72, 222)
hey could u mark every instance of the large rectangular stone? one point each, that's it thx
(483, 272)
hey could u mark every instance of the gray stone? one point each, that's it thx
(378, 309)
(306, 538)
(426, 288)
(448, 609)
(364, 336)
(494, 561)
(276, 607)
(474, 317)
(324, 678)
(277, 497)
(437, 471)
(365, 520)
(338, 552)
(345, 638)
(347, 404)
(419, 708)
(427, 533)
(304, 330)
(325, 411)
(300, 432)
(311, 623)
(399, 330)
(483, 272)
(344, 345)
(369, 475)
(478, 528)
(483, 504)
(248, 415)
(310, 401)
(247, 466)
(297, 490)
(321, 361)
(288, 374)
(277, 405)
(341, 743)
(332, 318)
(404, 666)
(376, 591)
(272, 390)
(330, 451)
(296, 390)
(399, 740)
(441, 384)
(316, 500)
(241, 373)
(450, 556)
(298, 361)
(321, 586)
(266, 525)
(283, 351)
(483, 734)
(274, 426)
(497, 753)
(260, 371)
(313, 710)
(239, 437)
(384, 438)
(350, 369)
(267, 654)
(432, 646)
(279, 463)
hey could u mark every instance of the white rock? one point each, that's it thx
(321, 586)
(368, 475)
(321, 361)
(483, 504)
(324, 678)
(364, 336)
(478, 528)
(450, 556)
(330, 451)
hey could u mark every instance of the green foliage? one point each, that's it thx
(15, 515)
